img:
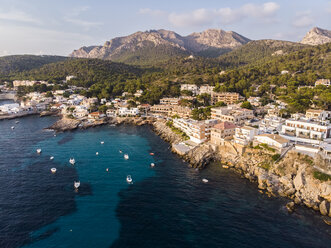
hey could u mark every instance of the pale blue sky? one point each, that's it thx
(59, 26)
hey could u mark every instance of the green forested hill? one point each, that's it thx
(259, 51)
(87, 71)
(149, 55)
(17, 63)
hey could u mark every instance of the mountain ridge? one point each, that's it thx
(218, 40)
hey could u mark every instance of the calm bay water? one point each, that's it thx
(166, 206)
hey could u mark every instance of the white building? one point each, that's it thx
(245, 135)
(190, 87)
(124, 111)
(206, 89)
(325, 82)
(111, 112)
(318, 114)
(68, 78)
(271, 124)
(273, 140)
(12, 108)
(306, 131)
(138, 93)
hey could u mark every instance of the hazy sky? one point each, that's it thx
(59, 26)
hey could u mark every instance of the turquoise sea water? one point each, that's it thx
(166, 206)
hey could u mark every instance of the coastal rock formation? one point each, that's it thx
(291, 177)
(139, 121)
(317, 36)
(200, 156)
(166, 133)
(65, 124)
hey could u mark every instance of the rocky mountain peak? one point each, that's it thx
(317, 36)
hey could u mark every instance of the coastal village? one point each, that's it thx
(236, 129)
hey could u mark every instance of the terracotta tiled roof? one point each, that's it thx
(225, 125)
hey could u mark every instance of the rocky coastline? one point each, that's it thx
(290, 177)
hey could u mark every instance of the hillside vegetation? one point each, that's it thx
(18, 63)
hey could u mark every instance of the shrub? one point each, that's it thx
(321, 176)
(275, 157)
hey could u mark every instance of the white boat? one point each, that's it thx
(53, 170)
(126, 156)
(17, 122)
(102, 142)
(205, 180)
(54, 135)
(129, 179)
(12, 127)
(51, 158)
(120, 151)
(97, 153)
(72, 161)
(39, 150)
(76, 184)
(152, 164)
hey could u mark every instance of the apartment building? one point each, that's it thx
(170, 101)
(182, 112)
(160, 109)
(226, 97)
(206, 89)
(220, 131)
(318, 114)
(232, 114)
(245, 135)
(306, 131)
(190, 87)
(271, 124)
(198, 131)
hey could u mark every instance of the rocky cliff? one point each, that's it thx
(292, 176)
(317, 36)
(167, 41)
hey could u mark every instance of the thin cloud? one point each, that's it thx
(152, 12)
(18, 16)
(74, 18)
(204, 17)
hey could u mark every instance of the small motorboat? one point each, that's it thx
(72, 161)
(16, 122)
(120, 151)
(53, 170)
(97, 153)
(39, 150)
(12, 127)
(205, 180)
(76, 184)
(102, 142)
(54, 135)
(152, 154)
(51, 158)
(152, 165)
(129, 179)
(126, 156)
(107, 169)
